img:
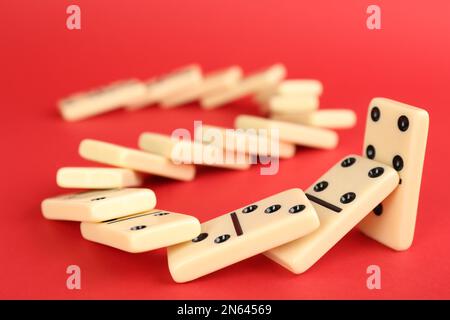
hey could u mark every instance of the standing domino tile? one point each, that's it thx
(114, 96)
(292, 133)
(241, 141)
(396, 134)
(213, 83)
(177, 82)
(143, 231)
(249, 85)
(342, 197)
(97, 178)
(331, 119)
(119, 156)
(242, 234)
(189, 152)
(98, 205)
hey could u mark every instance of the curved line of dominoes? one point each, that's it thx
(292, 106)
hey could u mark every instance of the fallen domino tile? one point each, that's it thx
(190, 152)
(331, 119)
(142, 232)
(99, 205)
(115, 155)
(242, 141)
(249, 85)
(178, 82)
(290, 132)
(213, 83)
(97, 178)
(84, 105)
(396, 134)
(243, 233)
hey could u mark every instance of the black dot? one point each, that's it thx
(370, 151)
(403, 123)
(249, 208)
(97, 199)
(348, 162)
(378, 210)
(397, 163)
(376, 172)
(348, 197)
(297, 208)
(375, 114)
(272, 208)
(320, 186)
(161, 214)
(222, 238)
(200, 237)
(135, 228)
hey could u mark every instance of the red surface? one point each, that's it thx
(41, 61)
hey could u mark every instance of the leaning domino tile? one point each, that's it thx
(212, 83)
(97, 178)
(114, 96)
(290, 132)
(249, 85)
(115, 155)
(300, 87)
(98, 205)
(242, 234)
(190, 152)
(177, 82)
(243, 141)
(291, 104)
(396, 134)
(144, 231)
(331, 119)
(342, 197)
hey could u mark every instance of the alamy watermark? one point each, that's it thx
(73, 281)
(374, 279)
(73, 21)
(373, 21)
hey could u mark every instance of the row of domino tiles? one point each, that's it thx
(295, 100)
(379, 192)
(174, 158)
(221, 86)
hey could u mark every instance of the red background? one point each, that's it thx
(41, 61)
